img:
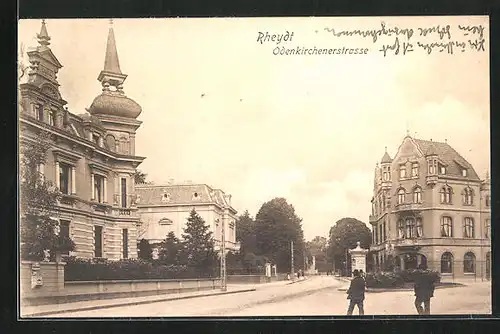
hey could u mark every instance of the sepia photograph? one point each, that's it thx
(254, 167)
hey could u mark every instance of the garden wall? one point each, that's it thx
(54, 290)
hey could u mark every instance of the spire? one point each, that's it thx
(111, 62)
(111, 75)
(386, 158)
(43, 36)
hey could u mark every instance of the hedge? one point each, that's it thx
(130, 269)
(397, 279)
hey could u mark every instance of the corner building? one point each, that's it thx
(430, 206)
(92, 160)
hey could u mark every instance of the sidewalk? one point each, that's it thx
(47, 310)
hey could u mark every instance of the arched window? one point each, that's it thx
(467, 196)
(469, 263)
(417, 195)
(468, 227)
(446, 227)
(401, 196)
(445, 193)
(410, 227)
(447, 263)
(401, 229)
(420, 228)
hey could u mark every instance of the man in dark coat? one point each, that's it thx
(424, 290)
(356, 293)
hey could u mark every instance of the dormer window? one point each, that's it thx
(196, 196)
(464, 172)
(442, 170)
(402, 172)
(95, 138)
(414, 169)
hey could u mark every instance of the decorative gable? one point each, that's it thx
(407, 151)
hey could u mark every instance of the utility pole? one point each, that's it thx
(291, 247)
(223, 251)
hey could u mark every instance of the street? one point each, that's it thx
(314, 296)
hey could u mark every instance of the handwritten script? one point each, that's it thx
(432, 39)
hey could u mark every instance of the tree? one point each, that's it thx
(198, 245)
(140, 177)
(144, 250)
(170, 250)
(276, 226)
(39, 203)
(245, 233)
(317, 247)
(345, 235)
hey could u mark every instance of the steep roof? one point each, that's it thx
(386, 158)
(447, 154)
(176, 194)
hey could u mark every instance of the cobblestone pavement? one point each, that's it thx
(315, 296)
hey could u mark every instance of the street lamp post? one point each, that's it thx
(291, 249)
(223, 272)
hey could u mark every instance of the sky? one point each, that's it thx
(220, 108)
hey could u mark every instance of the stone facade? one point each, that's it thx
(166, 208)
(92, 159)
(429, 205)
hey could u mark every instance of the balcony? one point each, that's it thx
(101, 207)
(408, 207)
(376, 248)
(68, 200)
(431, 180)
(125, 212)
(408, 243)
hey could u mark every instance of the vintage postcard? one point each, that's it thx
(222, 167)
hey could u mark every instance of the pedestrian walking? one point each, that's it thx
(356, 293)
(424, 290)
(362, 274)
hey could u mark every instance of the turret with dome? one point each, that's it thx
(113, 101)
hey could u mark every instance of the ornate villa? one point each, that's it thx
(429, 205)
(166, 208)
(92, 161)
